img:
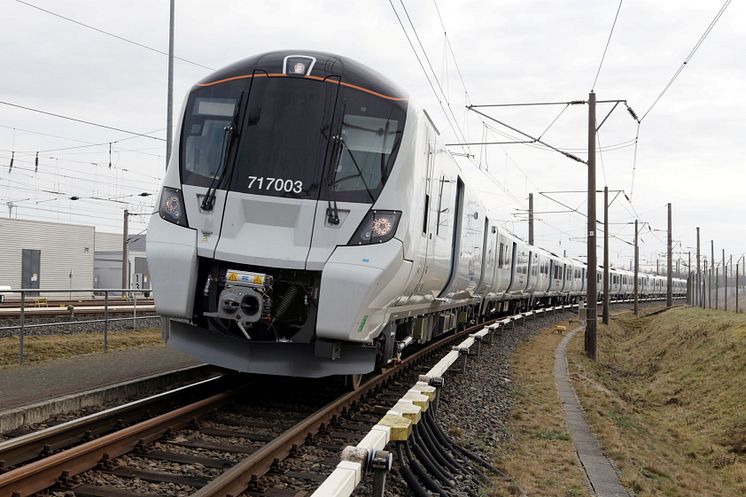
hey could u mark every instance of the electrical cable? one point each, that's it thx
(601, 157)
(426, 460)
(87, 144)
(422, 66)
(432, 449)
(554, 121)
(453, 55)
(427, 59)
(688, 57)
(83, 121)
(608, 41)
(121, 38)
(407, 474)
(634, 162)
(135, 184)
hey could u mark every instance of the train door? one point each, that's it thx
(455, 246)
(514, 268)
(488, 257)
(531, 272)
(428, 224)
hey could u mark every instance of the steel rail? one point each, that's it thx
(22, 449)
(235, 480)
(78, 303)
(44, 473)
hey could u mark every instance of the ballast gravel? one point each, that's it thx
(475, 404)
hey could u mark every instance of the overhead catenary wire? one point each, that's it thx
(608, 41)
(85, 144)
(83, 121)
(429, 64)
(453, 126)
(607, 148)
(670, 82)
(453, 54)
(688, 57)
(92, 178)
(553, 121)
(149, 179)
(107, 33)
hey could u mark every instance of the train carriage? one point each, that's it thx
(312, 223)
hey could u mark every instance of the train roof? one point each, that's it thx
(316, 65)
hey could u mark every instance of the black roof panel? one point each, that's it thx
(352, 72)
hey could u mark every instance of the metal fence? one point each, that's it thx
(723, 287)
(36, 298)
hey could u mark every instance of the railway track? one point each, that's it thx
(261, 436)
(62, 310)
(33, 303)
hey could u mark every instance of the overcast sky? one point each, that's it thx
(691, 149)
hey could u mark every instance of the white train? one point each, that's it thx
(311, 223)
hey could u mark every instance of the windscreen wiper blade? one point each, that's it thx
(208, 202)
(332, 211)
(359, 171)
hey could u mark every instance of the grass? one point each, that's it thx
(46, 348)
(666, 400)
(539, 456)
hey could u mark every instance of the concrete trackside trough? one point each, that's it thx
(39, 412)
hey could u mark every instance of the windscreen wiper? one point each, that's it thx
(229, 133)
(359, 171)
(332, 211)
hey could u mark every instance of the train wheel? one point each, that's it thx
(354, 381)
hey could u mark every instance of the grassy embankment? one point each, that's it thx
(667, 400)
(539, 456)
(45, 348)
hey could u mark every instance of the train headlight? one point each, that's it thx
(377, 227)
(172, 206)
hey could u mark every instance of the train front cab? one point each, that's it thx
(264, 224)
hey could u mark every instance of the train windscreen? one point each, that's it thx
(294, 137)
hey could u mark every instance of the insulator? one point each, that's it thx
(36, 163)
(632, 113)
(12, 158)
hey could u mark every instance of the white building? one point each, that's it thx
(39, 254)
(107, 266)
(56, 256)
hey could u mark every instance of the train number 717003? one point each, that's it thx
(278, 184)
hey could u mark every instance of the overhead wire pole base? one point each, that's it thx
(637, 271)
(669, 277)
(606, 256)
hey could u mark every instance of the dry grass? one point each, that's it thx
(540, 455)
(45, 348)
(666, 401)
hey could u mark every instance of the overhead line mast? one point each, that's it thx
(591, 257)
